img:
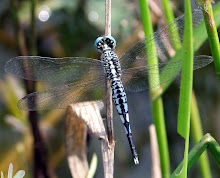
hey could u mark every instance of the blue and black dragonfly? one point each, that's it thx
(83, 79)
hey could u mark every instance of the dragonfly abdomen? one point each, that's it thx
(120, 100)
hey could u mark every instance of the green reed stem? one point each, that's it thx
(212, 32)
(199, 37)
(157, 105)
(169, 17)
(197, 133)
(183, 126)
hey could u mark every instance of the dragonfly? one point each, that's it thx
(83, 79)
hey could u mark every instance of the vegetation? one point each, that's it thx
(68, 28)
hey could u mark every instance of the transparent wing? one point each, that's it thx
(60, 97)
(54, 70)
(136, 54)
(137, 79)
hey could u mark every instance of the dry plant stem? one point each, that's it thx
(108, 17)
(109, 106)
(109, 113)
(108, 148)
(156, 171)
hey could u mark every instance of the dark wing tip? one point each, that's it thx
(26, 105)
(21, 104)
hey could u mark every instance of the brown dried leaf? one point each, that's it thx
(78, 117)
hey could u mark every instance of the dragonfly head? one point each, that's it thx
(105, 43)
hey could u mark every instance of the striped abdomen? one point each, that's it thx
(120, 100)
(113, 72)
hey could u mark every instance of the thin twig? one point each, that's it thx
(109, 107)
(108, 152)
(109, 112)
(108, 17)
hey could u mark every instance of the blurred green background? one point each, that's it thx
(69, 28)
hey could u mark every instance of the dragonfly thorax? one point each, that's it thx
(105, 43)
(111, 64)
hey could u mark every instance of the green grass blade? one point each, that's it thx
(169, 17)
(206, 142)
(199, 36)
(212, 32)
(157, 105)
(215, 149)
(168, 12)
(93, 166)
(196, 125)
(187, 75)
(183, 126)
(197, 133)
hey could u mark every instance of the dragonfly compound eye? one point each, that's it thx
(110, 41)
(99, 42)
